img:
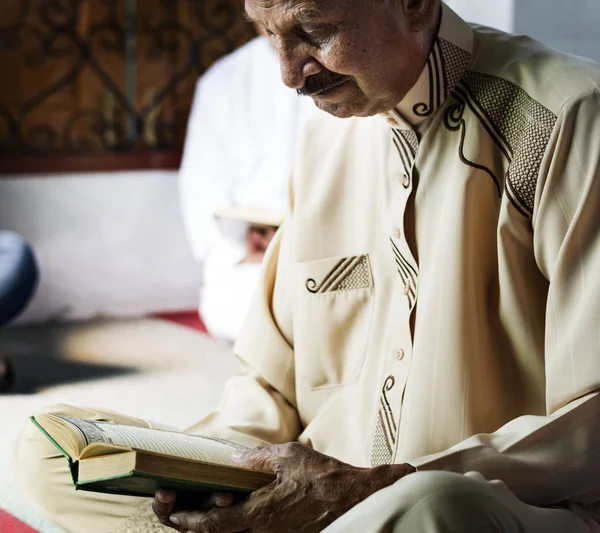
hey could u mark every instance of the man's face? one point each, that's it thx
(353, 57)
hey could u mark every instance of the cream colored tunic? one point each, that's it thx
(435, 295)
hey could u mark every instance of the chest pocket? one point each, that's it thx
(332, 320)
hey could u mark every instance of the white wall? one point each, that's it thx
(495, 13)
(106, 243)
(571, 27)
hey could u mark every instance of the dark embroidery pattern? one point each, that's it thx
(407, 145)
(446, 65)
(386, 430)
(454, 62)
(455, 122)
(436, 77)
(520, 126)
(408, 275)
(349, 273)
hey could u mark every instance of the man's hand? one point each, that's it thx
(166, 503)
(257, 242)
(311, 491)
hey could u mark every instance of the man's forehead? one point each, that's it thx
(299, 10)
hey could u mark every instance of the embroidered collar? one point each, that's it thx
(448, 61)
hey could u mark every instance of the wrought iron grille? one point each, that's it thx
(106, 76)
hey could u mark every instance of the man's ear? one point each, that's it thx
(421, 14)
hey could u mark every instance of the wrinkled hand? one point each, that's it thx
(311, 491)
(166, 503)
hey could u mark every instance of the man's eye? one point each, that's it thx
(316, 33)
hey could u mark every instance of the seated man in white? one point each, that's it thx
(239, 148)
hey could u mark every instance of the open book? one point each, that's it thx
(118, 459)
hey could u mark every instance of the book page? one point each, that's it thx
(169, 443)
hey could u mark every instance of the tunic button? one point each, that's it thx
(399, 354)
(392, 121)
(407, 288)
(406, 181)
(397, 233)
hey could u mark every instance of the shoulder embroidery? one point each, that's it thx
(454, 121)
(518, 124)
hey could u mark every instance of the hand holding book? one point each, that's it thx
(311, 491)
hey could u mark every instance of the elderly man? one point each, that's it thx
(425, 334)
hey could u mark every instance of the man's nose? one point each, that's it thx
(296, 67)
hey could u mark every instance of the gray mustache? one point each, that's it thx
(321, 82)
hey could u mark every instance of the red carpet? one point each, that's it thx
(185, 318)
(9, 524)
